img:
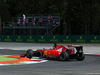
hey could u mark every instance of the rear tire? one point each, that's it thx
(29, 53)
(80, 57)
(64, 56)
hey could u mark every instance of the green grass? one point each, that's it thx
(4, 58)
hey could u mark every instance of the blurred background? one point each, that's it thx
(67, 17)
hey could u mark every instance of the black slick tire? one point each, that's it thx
(29, 53)
(80, 57)
(64, 56)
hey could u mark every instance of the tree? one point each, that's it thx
(4, 12)
(78, 17)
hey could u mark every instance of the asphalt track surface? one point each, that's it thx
(90, 66)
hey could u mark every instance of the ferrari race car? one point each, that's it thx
(58, 52)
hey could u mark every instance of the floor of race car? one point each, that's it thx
(90, 66)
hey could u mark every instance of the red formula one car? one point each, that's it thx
(58, 52)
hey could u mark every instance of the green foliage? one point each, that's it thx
(4, 12)
(80, 17)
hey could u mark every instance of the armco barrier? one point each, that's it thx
(51, 38)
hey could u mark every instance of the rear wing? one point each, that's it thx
(79, 49)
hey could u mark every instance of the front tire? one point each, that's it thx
(29, 53)
(64, 56)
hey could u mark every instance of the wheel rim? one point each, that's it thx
(62, 57)
(28, 55)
